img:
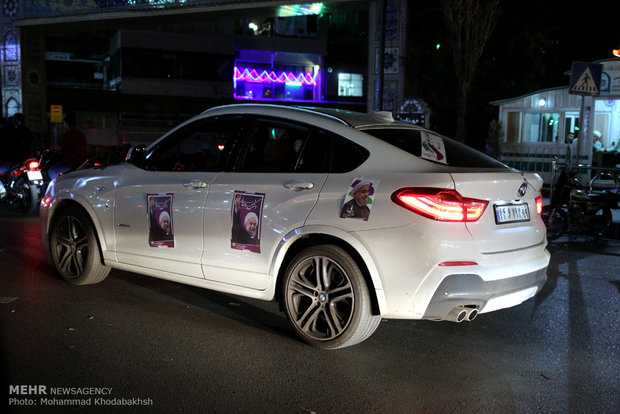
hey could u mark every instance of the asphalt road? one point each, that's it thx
(137, 344)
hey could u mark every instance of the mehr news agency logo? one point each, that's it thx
(42, 395)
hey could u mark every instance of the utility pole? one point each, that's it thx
(380, 56)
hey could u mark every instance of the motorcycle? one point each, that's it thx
(22, 186)
(579, 209)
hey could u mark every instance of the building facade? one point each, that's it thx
(132, 69)
(544, 124)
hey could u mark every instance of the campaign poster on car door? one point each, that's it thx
(161, 229)
(246, 212)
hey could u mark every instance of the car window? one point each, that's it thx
(346, 155)
(456, 153)
(204, 145)
(315, 154)
(328, 152)
(275, 146)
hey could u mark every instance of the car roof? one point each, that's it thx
(357, 120)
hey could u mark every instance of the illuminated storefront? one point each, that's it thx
(131, 69)
(273, 76)
(542, 125)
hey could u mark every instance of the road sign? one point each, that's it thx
(56, 113)
(585, 79)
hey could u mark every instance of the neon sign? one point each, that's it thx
(291, 10)
(288, 78)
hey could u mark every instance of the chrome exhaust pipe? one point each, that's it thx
(471, 313)
(461, 313)
(458, 314)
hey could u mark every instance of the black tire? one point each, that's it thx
(330, 308)
(75, 250)
(555, 220)
(28, 194)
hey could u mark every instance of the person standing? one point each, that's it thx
(23, 136)
(9, 154)
(73, 147)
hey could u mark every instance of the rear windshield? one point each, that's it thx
(435, 148)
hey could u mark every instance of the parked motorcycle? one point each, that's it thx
(22, 186)
(579, 209)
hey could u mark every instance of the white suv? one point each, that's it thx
(345, 218)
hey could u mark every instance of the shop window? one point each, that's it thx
(531, 127)
(571, 125)
(513, 126)
(549, 127)
(601, 124)
(350, 84)
(541, 127)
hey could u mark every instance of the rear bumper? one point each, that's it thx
(471, 290)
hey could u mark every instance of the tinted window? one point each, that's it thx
(204, 145)
(283, 146)
(346, 155)
(275, 146)
(327, 152)
(315, 154)
(457, 154)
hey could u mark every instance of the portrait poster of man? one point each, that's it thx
(246, 211)
(359, 198)
(161, 229)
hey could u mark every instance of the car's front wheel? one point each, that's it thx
(326, 298)
(75, 250)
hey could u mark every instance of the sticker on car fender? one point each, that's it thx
(359, 198)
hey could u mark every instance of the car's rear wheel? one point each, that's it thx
(326, 298)
(75, 250)
(28, 196)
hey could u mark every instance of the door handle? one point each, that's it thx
(298, 185)
(195, 184)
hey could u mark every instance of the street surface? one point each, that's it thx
(137, 344)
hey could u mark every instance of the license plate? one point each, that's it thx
(511, 213)
(34, 175)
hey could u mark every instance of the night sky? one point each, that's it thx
(532, 48)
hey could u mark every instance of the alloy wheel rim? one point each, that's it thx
(320, 298)
(71, 247)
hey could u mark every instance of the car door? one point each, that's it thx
(271, 192)
(159, 210)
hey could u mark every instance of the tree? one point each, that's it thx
(469, 24)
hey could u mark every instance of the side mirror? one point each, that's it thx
(137, 156)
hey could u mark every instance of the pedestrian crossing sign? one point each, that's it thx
(585, 78)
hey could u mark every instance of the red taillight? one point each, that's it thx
(33, 165)
(440, 204)
(539, 205)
